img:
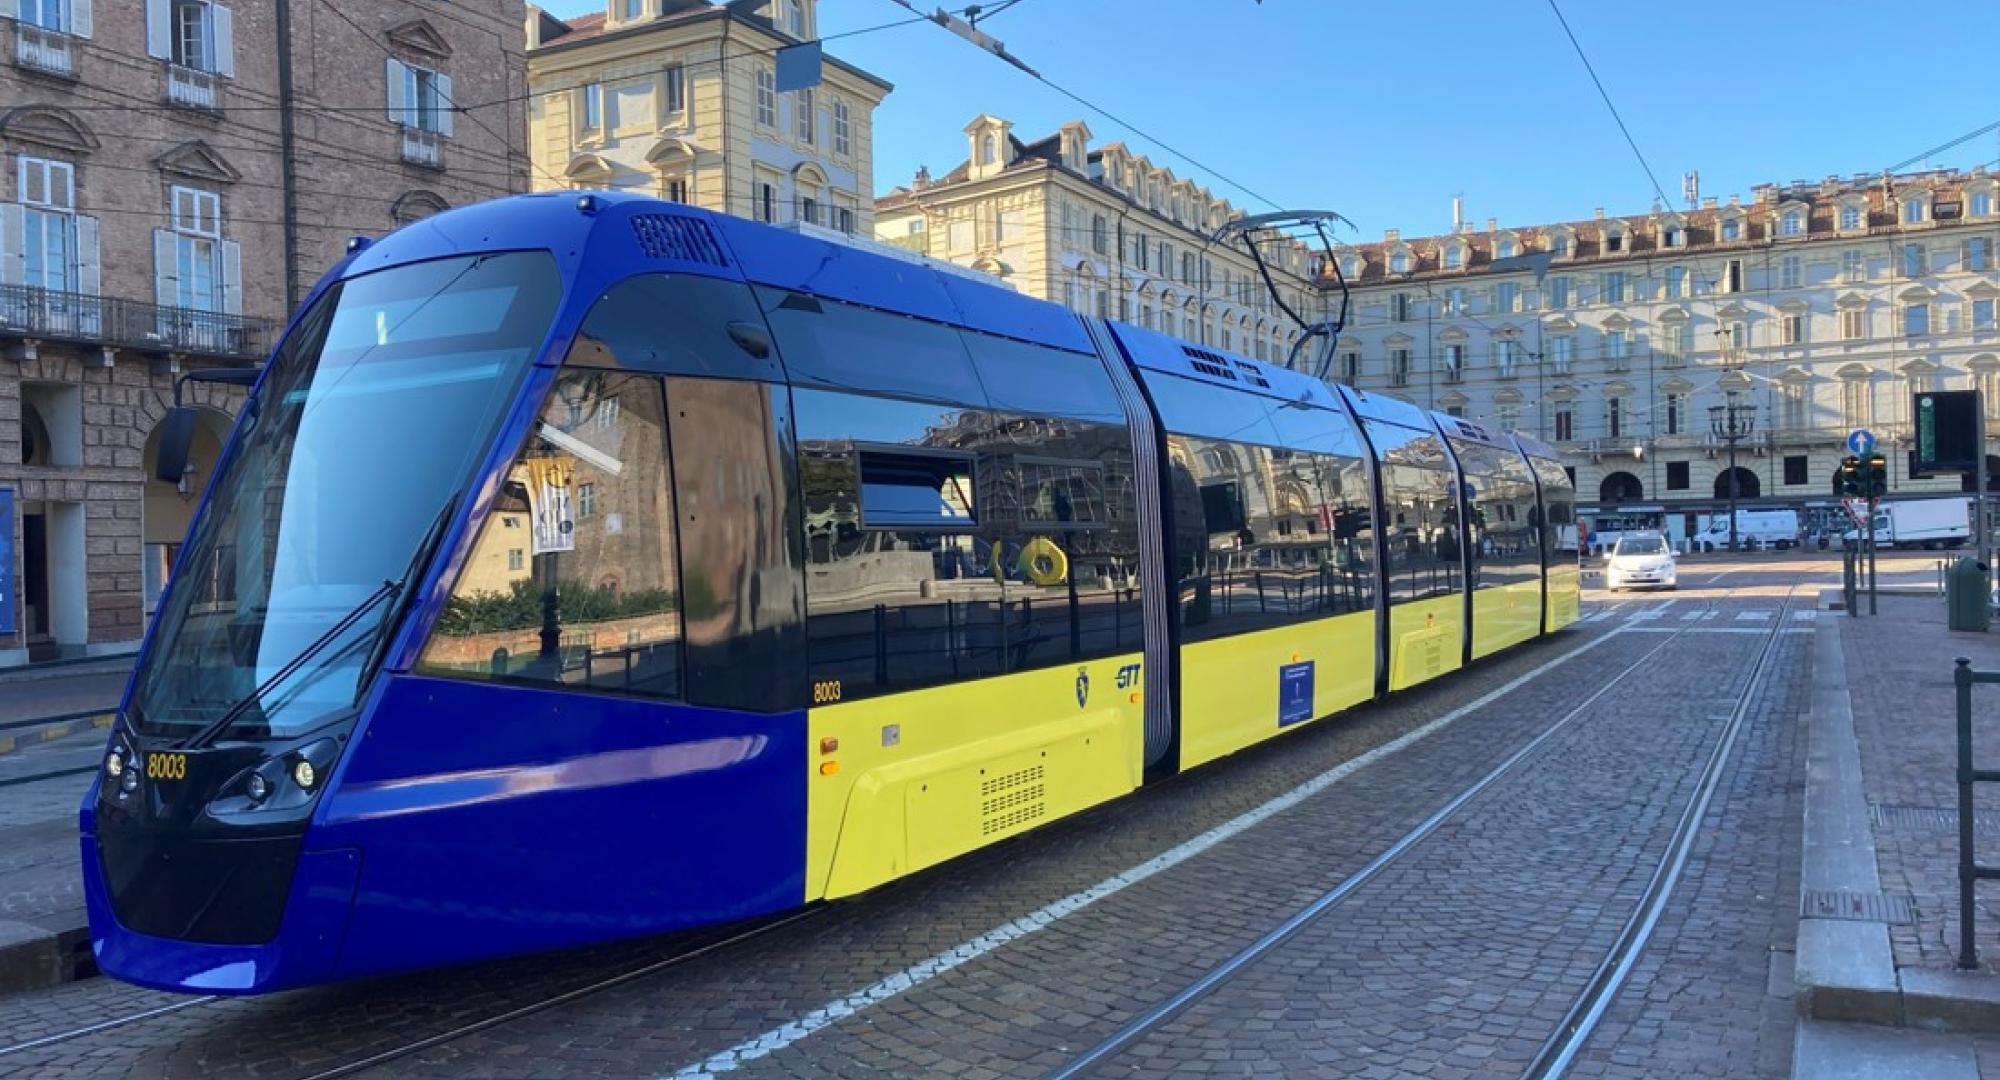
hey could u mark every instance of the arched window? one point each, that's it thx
(1504, 249)
(1454, 257)
(1399, 263)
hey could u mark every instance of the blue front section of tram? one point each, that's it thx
(469, 820)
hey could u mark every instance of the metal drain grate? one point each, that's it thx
(1930, 817)
(1859, 907)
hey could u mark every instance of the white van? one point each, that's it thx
(1754, 529)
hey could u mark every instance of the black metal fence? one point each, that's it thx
(28, 312)
(1970, 873)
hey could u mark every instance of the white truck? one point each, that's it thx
(1925, 523)
(1754, 529)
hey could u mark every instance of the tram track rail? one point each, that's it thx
(1580, 1020)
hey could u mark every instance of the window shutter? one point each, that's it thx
(446, 104)
(399, 105)
(232, 277)
(222, 28)
(13, 244)
(166, 269)
(159, 30)
(79, 18)
(89, 270)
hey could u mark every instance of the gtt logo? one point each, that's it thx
(1128, 676)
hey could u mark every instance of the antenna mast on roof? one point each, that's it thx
(1290, 227)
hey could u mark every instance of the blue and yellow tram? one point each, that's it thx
(585, 567)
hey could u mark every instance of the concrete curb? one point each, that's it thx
(61, 729)
(33, 957)
(1844, 969)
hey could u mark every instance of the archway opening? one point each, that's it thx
(1746, 483)
(1620, 487)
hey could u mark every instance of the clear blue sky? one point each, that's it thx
(1384, 111)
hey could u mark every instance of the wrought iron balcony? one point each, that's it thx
(41, 49)
(41, 314)
(424, 148)
(194, 89)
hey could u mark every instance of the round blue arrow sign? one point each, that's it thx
(1861, 442)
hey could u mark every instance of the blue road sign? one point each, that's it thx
(7, 600)
(1861, 442)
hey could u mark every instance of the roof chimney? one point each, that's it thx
(1390, 236)
(1492, 224)
(1458, 213)
(1598, 213)
(923, 178)
(1708, 202)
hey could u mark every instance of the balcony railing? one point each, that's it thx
(42, 49)
(27, 312)
(193, 89)
(424, 148)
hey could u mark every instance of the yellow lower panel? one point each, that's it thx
(1565, 596)
(1425, 639)
(930, 774)
(1505, 615)
(1234, 690)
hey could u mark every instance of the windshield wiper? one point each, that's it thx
(418, 561)
(221, 723)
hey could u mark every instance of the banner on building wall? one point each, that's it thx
(550, 506)
(8, 598)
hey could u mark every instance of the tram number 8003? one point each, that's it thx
(166, 766)
(826, 693)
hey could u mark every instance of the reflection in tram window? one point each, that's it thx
(595, 604)
(1505, 549)
(945, 544)
(1424, 537)
(1559, 500)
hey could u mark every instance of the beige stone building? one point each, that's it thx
(1102, 230)
(174, 175)
(679, 99)
(1817, 308)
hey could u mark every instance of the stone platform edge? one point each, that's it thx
(1844, 969)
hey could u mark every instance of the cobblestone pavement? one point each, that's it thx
(1022, 1007)
(1899, 667)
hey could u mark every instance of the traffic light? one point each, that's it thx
(1850, 477)
(1877, 479)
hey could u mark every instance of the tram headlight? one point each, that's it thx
(128, 782)
(304, 775)
(114, 764)
(257, 787)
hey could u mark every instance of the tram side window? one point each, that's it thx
(677, 324)
(1558, 507)
(572, 582)
(839, 346)
(1505, 547)
(1421, 527)
(1264, 537)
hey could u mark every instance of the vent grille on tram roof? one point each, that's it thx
(670, 236)
(1251, 375)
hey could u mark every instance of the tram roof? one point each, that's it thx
(1385, 409)
(1535, 448)
(1155, 351)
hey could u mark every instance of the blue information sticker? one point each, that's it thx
(7, 598)
(1295, 693)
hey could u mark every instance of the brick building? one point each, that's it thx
(174, 175)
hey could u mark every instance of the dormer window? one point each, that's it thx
(629, 10)
(1850, 217)
(1732, 228)
(1791, 223)
(1505, 249)
(1559, 245)
(989, 150)
(794, 19)
(1673, 237)
(1915, 210)
(1454, 257)
(1979, 204)
(1614, 241)
(1399, 263)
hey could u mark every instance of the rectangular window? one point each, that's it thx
(1982, 314)
(1732, 276)
(1558, 293)
(1791, 272)
(1677, 282)
(593, 109)
(1676, 413)
(843, 219)
(1732, 229)
(194, 35)
(1677, 476)
(804, 115)
(426, 97)
(1853, 266)
(1350, 367)
(1850, 218)
(1506, 352)
(1916, 320)
(1399, 367)
(1978, 253)
(48, 193)
(1508, 415)
(1561, 351)
(1794, 398)
(1791, 329)
(843, 129)
(1914, 261)
(595, 604)
(1614, 287)
(1614, 417)
(1565, 423)
(1454, 301)
(1856, 402)
(1913, 212)
(674, 189)
(1795, 469)
(673, 88)
(197, 224)
(767, 202)
(1507, 296)
(1454, 362)
(1614, 348)
(1853, 324)
(1399, 307)
(905, 490)
(767, 98)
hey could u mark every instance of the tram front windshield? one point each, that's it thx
(376, 412)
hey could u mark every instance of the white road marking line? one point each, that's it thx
(1804, 614)
(1692, 616)
(1752, 616)
(923, 971)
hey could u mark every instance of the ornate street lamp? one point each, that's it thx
(1732, 423)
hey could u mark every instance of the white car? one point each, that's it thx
(1640, 559)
